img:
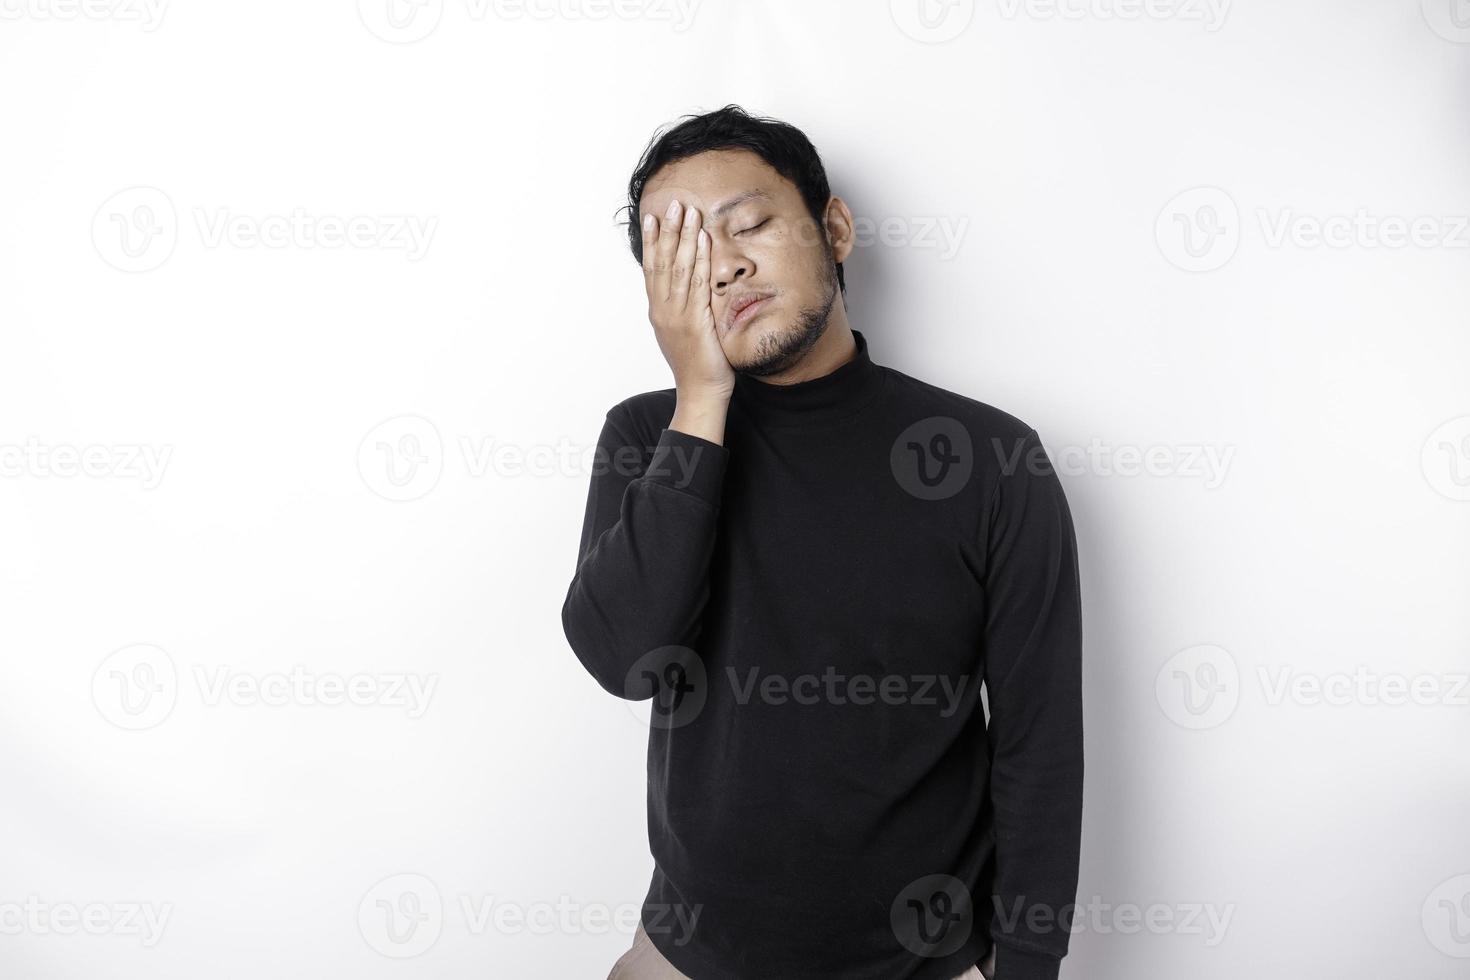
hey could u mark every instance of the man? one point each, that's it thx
(810, 562)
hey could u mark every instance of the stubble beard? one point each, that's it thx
(780, 350)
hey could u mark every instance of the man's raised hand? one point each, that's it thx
(676, 271)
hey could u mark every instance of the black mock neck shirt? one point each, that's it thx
(813, 608)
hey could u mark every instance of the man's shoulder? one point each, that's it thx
(982, 419)
(641, 417)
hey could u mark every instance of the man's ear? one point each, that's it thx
(839, 228)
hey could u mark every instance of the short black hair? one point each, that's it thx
(784, 147)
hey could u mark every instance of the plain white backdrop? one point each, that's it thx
(309, 317)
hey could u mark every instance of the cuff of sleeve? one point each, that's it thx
(1013, 963)
(690, 464)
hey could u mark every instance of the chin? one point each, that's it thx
(742, 346)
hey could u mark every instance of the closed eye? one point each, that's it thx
(751, 228)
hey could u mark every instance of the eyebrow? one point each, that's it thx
(735, 202)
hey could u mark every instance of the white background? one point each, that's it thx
(336, 430)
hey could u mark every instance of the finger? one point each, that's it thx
(699, 285)
(684, 260)
(650, 236)
(668, 243)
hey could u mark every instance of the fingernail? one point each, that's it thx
(648, 222)
(673, 209)
(689, 217)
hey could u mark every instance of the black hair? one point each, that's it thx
(784, 147)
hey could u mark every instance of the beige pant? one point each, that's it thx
(644, 962)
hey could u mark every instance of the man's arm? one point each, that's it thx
(642, 575)
(1033, 678)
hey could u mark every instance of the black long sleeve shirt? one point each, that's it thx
(813, 607)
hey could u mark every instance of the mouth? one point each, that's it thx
(745, 309)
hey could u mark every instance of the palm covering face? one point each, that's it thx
(676, 273)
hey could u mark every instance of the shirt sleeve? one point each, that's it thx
(642, 576)
(1033, 679)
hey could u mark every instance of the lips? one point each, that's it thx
(744, 308)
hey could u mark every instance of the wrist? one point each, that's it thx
(701, 415)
